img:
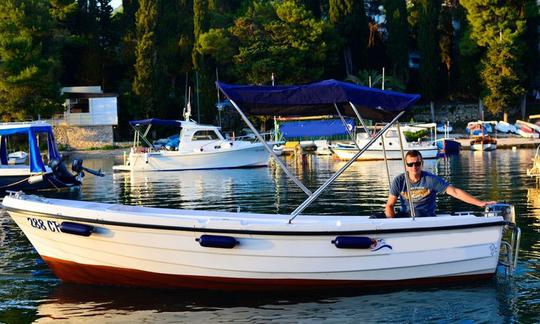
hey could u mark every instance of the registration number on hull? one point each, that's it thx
(40, 224)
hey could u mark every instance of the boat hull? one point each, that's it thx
(27, 181)
(346, 153)
(150, 247)
(483, 147)
(252, 155)
(447, 145)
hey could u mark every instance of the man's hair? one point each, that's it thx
(414, 153)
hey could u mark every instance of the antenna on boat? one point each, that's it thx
(187, 109)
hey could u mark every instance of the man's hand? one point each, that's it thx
(486, 203)
(389, 208)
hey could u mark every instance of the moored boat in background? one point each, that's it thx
(15, 174)
(391, 145)
(484, 143)
(199, 147)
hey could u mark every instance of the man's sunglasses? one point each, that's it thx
(417, 164)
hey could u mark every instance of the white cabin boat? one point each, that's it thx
(199, 147)
(112, 244)
(391, 144)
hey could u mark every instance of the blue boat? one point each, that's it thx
(448, 145)
(36, 174)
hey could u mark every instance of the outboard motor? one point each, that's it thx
(61, 172)
(507, 211)
(78, 168)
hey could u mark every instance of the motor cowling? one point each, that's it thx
(507, 211)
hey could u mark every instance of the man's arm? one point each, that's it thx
(389, 208)
(466, 197)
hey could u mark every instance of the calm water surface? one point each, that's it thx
(29, 291)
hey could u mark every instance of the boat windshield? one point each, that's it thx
(205, 135)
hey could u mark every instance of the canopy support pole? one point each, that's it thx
(323, 187)
(407, 181)
(351, 135)
(269, 149)
(386, 162)
(359, 118)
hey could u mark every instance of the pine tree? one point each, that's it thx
(499, 26)
(29, 60)
(398, 38)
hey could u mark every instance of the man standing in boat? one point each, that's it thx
(424, 188)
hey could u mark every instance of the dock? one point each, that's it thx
(503, 142)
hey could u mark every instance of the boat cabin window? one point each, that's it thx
(205, 135)
(391, 134)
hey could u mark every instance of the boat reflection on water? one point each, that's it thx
(225, 190)
(484, 302)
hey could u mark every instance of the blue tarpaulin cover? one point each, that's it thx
(315, 128)
(156, 121)
(316, 99)
(30, 130)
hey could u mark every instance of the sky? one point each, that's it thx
(116, 3)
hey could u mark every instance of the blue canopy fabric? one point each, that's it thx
(315, 99)
(315, 128)
(30, 130)
(156, 121)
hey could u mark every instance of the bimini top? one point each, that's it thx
(31, 130)
(156, 121)
(317, 98)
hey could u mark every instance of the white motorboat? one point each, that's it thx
(196, 147)
(18, 157)
(391, 145)
(112, 244)
(323, 148)
(108, 244)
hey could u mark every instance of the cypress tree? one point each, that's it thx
(349, 17)
(398, 38)
(29, 60)
(428, 43)
(144, 84)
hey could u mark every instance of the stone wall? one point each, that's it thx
(83, 137)
(454, 113)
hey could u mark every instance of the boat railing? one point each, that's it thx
(268, 137)
(535, 170)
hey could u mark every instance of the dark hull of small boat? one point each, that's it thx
(26, 183)
(449, 146)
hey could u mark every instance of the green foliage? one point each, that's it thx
(415, 136)
(398, 37)
(364, 76)
(28, 60)
(279, 37)
(499, 27)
